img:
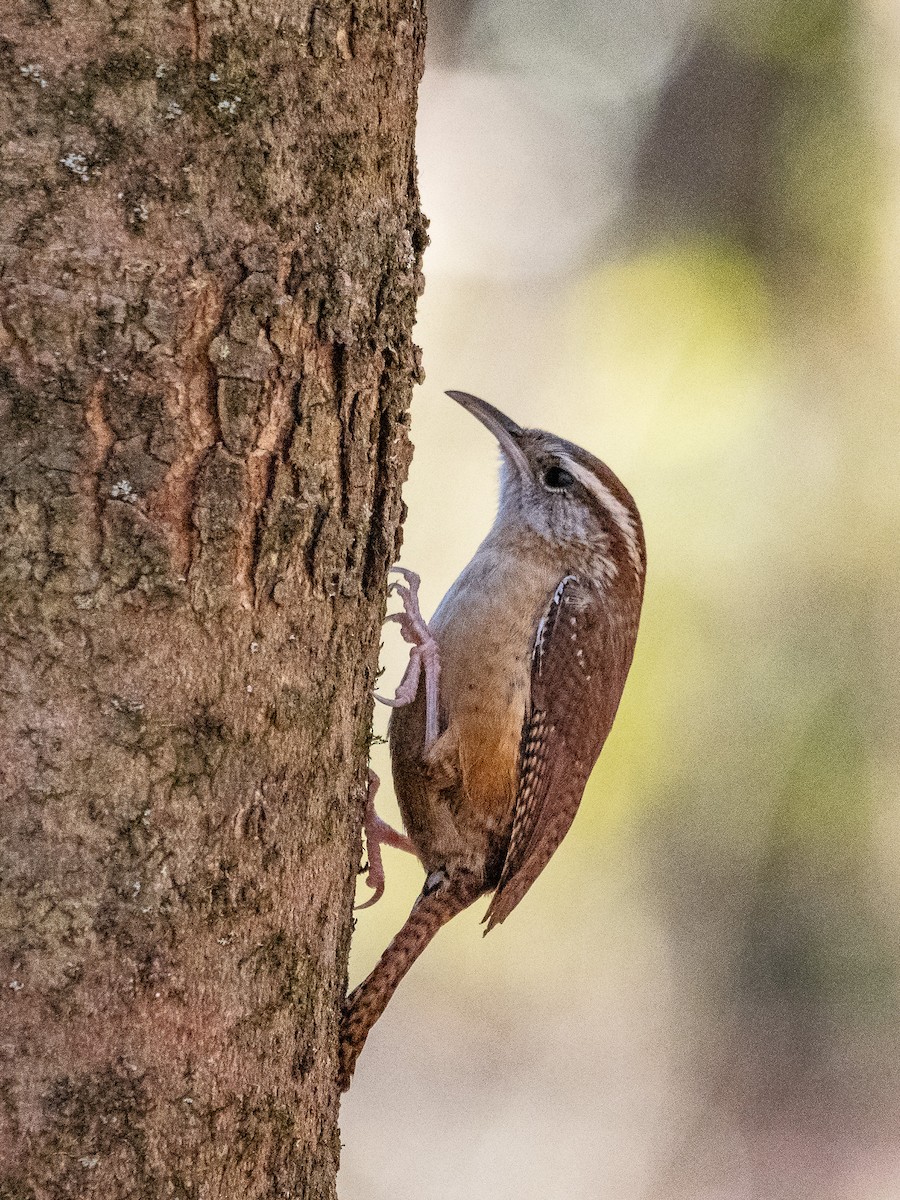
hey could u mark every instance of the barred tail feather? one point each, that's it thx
(367, 1002)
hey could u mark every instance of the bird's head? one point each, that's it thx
(564, 495)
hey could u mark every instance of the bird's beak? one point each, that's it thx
(506, 432)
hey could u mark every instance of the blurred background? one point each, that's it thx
(669, 231)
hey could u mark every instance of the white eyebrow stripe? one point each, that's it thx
(620, 515)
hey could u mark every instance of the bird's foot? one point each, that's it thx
(378, 834)
(423, 658)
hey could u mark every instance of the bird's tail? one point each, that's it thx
(436, 905)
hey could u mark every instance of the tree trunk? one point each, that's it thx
(212, 246)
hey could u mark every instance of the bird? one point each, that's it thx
(509, 695)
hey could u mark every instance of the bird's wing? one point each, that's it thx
(579, 663)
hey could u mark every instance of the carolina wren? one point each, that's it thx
(523, 667)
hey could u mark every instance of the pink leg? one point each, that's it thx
(423, 656)
(378, 834)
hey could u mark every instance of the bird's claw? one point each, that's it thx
(378, 834)
(423, 657)
(377, 891)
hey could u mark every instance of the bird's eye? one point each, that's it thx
(558, 478)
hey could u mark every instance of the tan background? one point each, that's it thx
(671, 234)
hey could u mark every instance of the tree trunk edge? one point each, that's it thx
(208, 298)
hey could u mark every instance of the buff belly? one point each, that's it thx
(457, 801)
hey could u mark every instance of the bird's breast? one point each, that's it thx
(485, 632)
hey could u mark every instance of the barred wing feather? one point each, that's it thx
(579, 664)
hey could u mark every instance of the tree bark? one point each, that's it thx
(211, 256)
